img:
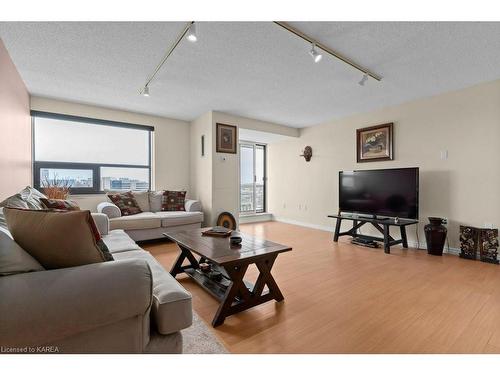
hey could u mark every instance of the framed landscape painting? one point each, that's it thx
(374, 143)
(226, 138)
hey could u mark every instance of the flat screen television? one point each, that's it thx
(380, 192)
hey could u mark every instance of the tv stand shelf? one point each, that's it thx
(381, 224)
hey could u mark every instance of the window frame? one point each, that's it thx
(95, 167)
(254, 146)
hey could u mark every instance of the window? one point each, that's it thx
(90, 155)
(252, 178)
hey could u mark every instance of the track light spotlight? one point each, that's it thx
(191, 34)
(145, 91)
(315, 54)
(363, 80)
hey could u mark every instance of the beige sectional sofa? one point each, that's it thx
(152, 222)
(129, 305)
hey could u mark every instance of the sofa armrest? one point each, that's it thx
(111, 210)
(191, 205)
(102, 223)
(42, 307)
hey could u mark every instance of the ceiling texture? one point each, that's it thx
(251, 69)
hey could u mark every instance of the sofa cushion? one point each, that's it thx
(173, 201)
(59, 204)
(155, 200)
(142, 199)
(117, 241)
(57, 239)
(13, 259)
(126, 203)
(144, 220)
(172, 308)
(174, 218)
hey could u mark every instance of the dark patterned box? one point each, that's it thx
(469, 242)
(489, 245)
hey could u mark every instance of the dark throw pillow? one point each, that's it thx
(60, 204)
(173, 201)
(126, 203)
(57, 239)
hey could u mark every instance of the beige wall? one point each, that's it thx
(201, 166)
(215, 178)
(465, 187)
(171, 143)
(15, 129)
(225, 171)
(252, 124)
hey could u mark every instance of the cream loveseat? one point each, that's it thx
(152, 222)
(128, 305)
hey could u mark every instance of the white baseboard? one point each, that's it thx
(303, 224)
(245, 219)
(423, 246)
(412, 244)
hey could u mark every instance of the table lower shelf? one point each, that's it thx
(216, 288)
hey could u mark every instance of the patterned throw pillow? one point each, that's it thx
(173, 201)
(32, 198)
(3, 223)
(98, 239)
(59, 204)
(14, 201)
(126, 203)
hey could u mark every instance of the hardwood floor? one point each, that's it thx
(341, 298)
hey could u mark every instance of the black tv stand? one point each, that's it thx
(381, 224)
(370, 217)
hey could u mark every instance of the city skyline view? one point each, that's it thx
(113, 179)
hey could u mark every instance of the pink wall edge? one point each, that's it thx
(15, 128)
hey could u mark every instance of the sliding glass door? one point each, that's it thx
(252, 178)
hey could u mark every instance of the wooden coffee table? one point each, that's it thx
(234, 293)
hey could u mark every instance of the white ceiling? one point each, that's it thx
(251, 69)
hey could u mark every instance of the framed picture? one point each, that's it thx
(374, 143)
(227, 138)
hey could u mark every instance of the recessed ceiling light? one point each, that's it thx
(191, 34)
(315, 54)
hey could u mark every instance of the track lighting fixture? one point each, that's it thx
(363, 80)
(315, 54)
(191, 34)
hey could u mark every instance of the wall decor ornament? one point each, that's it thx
(468, 242)
(374, 143)
(227, 138)
(489, 246)
(307, 153)
(482, 240)
(226, 220)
